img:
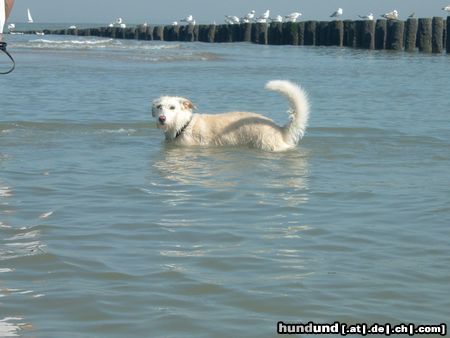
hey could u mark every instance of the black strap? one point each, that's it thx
(183, 129)
(3, 49)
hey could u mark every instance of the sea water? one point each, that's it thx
(106, 231)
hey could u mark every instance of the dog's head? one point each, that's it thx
(171, 113)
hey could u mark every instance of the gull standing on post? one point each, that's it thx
(293, 17)
(189, 20)
(232, 20)
(278, 18)
(337, 14)
(249, 17)
(263, 18)
(391, 15)
(367, 17)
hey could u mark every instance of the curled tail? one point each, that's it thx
(299, 113)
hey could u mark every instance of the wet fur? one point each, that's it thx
(182, 126)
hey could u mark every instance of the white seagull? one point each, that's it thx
(446, 8)
(367, 17)
(293, 17)
(391, 15)
(189, 20)
(278, 18)
(232, 20)
(249, 17)
(337, 14)
(263, 18)
(11, 27)
(175, 23)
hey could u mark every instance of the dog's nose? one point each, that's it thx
(162, 119)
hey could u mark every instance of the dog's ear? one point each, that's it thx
(186, 104)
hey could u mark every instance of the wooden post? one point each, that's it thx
(130, 33)
(322, 33)
(171, 33)
(120, 33)
(191, 33)
(259, 33)
(290, 33)
(424, 35)
(447, 40)
(310, 33)
(158, 33)
(223, 33)
(246, 32)
(437, 42)
(411, 34)
(236, 34)
(395, 34)
(211, 33)
(301, 33)
(349, 33)
(336, 33)
(368, 34)
(380, 34)
(275, 33)
(445, 37)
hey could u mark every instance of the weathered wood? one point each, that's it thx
(437, 40)
(158, 33)
(395, 34)
(411, 27)
(424, 35)
(275, 34)
(322, 33)
(368, 34)
(259, 33)
(310, 33)
(301, 33)
(336, 33)
(246, 31)
(380, 34)
(349, 34)
(290, 33)
(429, 35)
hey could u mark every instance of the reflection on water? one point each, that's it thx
(222, 167)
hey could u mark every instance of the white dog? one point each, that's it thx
(174, 115)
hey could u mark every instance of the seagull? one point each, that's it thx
(446, 8)
(175, 23)
(278, 18)
(73, 27)
(11, 27)
(232, 20)
(264, 16)
(337, 14)
(189, 20)
(412, 15)
(293, 17)
(367, 17)
(249, 17)
(391, 15)
(119, 21)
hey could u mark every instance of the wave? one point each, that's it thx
(96, 43)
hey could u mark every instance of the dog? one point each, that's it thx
(175, 116)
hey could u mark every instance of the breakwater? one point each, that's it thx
(428, 35)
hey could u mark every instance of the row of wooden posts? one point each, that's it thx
(428, 35)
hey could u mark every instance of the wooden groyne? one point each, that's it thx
(428, 35)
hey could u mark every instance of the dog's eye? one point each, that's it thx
(159, 106)
(172, 107)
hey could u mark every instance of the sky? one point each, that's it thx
(167, 11)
